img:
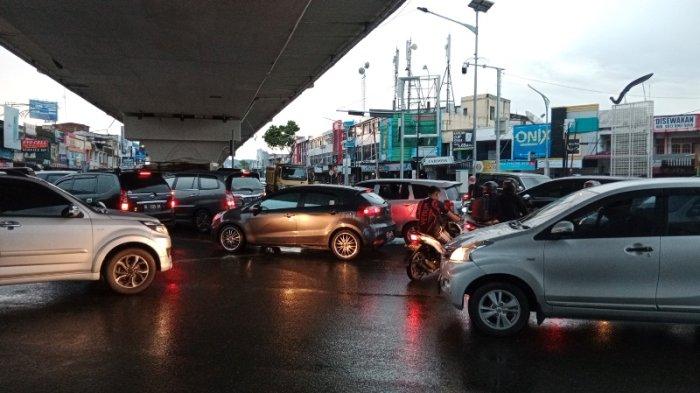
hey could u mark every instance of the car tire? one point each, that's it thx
(346, 245)
(407, 229)
(232, 239)
(498, 309)
(202, 220)
(130, 271)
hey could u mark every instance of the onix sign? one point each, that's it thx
(531, 141)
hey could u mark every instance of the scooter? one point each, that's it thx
(425, 254)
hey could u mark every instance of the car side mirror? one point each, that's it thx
(99, 204)
(72, 211)
(527, 197)
(562, 228)
(255, 209)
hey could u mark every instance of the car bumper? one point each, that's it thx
(455, 278)
(163, 248)
(379, 234)
(166, 217)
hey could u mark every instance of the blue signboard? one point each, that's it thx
(531, 141)
(512, 165)
(44, 110)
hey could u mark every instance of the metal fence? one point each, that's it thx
(631, 139)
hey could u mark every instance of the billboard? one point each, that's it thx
(676, 123)
(10, 128)
(34, 145)
(461, 140)
(43, 110)
(531, 141)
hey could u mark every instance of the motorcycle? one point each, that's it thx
(424, 256)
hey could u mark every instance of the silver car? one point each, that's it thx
(47, 234)
(625, 250)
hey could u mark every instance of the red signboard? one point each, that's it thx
(338, 137)
(34, 145)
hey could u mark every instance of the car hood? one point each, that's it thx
(490, 233)
(121, 215)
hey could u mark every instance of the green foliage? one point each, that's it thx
(280, 137)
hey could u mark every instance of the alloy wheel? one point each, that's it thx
(345, 245)
(131, 271)
(499, 309)
(230, 238)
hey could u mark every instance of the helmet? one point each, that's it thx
(490, 187)
(591, 183)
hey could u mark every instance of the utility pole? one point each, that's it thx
(476, 59)
(497, 128)
(396, 79)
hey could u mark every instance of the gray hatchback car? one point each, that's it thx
(625, 250)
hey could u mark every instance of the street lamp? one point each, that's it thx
(363, 71)
(477, 6)
(547, 140)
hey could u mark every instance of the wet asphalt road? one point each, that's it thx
(305, 322)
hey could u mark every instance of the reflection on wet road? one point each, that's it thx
(305, 322)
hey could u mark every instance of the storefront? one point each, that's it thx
(676, 145)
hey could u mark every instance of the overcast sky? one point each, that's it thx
(575, 51)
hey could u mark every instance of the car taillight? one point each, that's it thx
(123, 201)
(172, 202)
(144, 173)
(230, 200)
(469, 226)
(369, 211)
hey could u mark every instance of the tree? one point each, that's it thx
(281, 137)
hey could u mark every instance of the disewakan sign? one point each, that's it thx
(676, 123)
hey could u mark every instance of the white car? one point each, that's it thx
(47, 234)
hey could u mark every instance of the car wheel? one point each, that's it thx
(130, 271)
(346, 245)
(498, 309)
(202, 220)
(232, 239)
(407, 229)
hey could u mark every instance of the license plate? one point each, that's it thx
(152, 206)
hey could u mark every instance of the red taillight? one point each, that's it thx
(369, 211)
(466, 197)
(123, 201)
(230, 200)
(413, 237)
(172, 202)
(469, 226)
(144, 173)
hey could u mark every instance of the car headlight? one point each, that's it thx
(156, 226)
(464, 253)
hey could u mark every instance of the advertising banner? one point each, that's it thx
(531, 141)
(44, 110)
(34, 145)
(676, 123)
(461, 140)
(10, 128)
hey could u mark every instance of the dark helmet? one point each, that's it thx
(509, 187)
(591, 183)
(490, 187)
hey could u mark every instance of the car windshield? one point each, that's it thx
(452, 193)
(531, 181)
(293, 173)
(539, 217)
(246, 183)
(144, 182)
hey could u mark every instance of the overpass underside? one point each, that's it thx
(183, 76)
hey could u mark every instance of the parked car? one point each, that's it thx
(200, 195)
(139, 191)
(52, 176)
(548, 192)
(47, 234)
(345, 220)
(623, 250)
(403, 196)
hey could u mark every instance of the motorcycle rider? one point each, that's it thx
(432, 215)
(510, 205)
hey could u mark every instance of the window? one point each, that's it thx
(281, 202)
(106, 183)
(684, 214)
(465, 112)
(492, 112)
(314, 199)
(420, 191)
(555, 189)
(171, 181)
(392, 191)
(26, 199)
(66, 185)
(208, 183)
(660, 146)
(84, 185)
(373, 198)
(627, 215)
(246, 183)
(144, 182)
(185, 183)
(681, 148)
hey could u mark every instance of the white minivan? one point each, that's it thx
(47, 234)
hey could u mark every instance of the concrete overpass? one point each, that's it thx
(183, 76)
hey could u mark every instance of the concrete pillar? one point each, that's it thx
(189, 140)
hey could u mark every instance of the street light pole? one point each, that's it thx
(548, 137)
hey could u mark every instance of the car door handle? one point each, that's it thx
(289, 215)
(10, 224)
(639, 249)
